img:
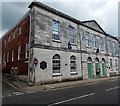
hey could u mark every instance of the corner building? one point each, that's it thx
(64, 48)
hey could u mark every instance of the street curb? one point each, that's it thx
(73, 85)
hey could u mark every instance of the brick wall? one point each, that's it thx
(21, 39)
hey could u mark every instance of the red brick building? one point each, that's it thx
(15, 48)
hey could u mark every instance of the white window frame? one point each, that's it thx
(71, 34)
(73, 64)
(19, 31)
(95, 41)
(5, 42)
(19, 51)
(13, 36)
(55, 32)
(56, 63)
(87, 37)
(102, 43)
(9, 38)
(12, 55)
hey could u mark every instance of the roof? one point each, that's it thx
(93, 24)
(50, 9)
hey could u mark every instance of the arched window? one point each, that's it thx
(56, 63)
(72, 64)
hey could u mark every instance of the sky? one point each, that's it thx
(105, 12)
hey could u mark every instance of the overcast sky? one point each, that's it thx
(105, 12)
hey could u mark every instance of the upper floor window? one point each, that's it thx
(87, 36)
(95, 41)
(56, 64)
(19, 31)
(71, 34)
(109, 45)
(102, 43)
(115, 49)
(9, 38)
(13, 35)
(19, 47)
(72, 64)
(27, 49)
(12, 54)
(5, 42)
(55, 30)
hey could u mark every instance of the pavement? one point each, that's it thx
(24, 86)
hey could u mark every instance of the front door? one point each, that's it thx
(103, 69)
(97, 68)
(89, 70)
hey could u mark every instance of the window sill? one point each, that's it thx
(56, 74)
(73, 73)
(58, 41)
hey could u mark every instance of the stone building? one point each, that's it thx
(61, 48)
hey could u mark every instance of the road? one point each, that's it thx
(100, 92)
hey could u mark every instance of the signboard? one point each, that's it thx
(43, 65)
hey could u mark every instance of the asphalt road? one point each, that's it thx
(100, 92)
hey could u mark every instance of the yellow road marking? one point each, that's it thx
(10, 84)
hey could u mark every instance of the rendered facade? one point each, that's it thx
(52, 46)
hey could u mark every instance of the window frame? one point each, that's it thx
(20, 30)
(12, 55)
(95, 41)
(102, 44)
(71, 34)
(57, 65)
(87, 39)
(73, 64)
(19, 51)
(55, 29)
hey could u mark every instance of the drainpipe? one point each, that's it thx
(29, 82)
(80, 50)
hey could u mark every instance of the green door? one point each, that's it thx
(103, 69)
(97, 67)
(89, 70)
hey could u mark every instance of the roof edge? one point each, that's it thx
(57, 12)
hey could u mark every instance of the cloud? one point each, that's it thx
(103, 11)
(11, 13)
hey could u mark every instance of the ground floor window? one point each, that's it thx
(56, 64)
(72, 64)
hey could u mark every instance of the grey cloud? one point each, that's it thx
(11, 13)
(81, 10)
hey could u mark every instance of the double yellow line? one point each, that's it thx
(10, 84)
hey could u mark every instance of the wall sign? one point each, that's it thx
(43, 65)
